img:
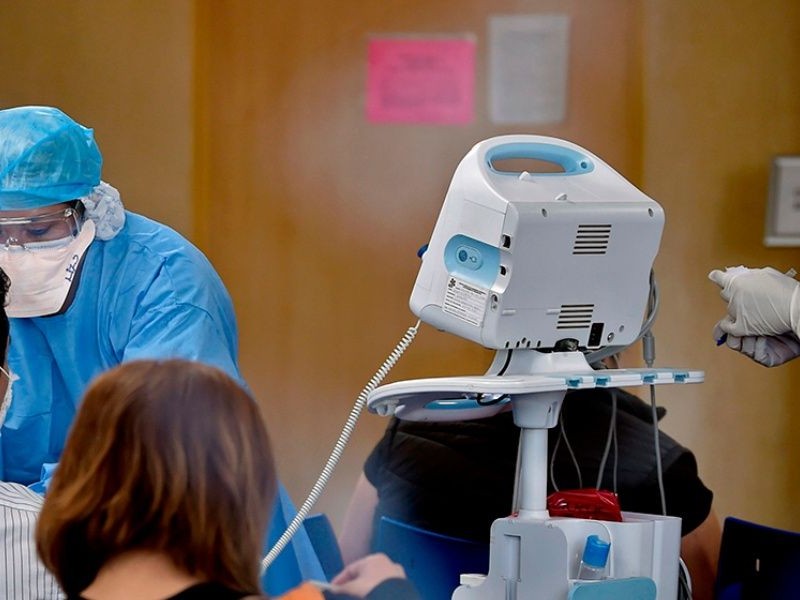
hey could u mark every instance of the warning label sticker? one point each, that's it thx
(465, 301)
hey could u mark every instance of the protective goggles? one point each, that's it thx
(50, 230)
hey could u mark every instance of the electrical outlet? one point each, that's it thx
(783, 210)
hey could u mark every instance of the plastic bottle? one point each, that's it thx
(595, 557)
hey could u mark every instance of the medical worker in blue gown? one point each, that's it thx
(94, 285)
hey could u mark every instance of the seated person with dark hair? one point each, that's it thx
(161, 494)
(456, 478)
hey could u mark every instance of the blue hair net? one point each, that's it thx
(45, 158)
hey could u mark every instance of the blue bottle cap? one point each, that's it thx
(595, 553)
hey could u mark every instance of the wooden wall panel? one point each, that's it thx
(313, 216)
(123, 68)
(722, 97)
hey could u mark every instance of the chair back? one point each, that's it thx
(757, 562)
(432, 561)
(323, 539)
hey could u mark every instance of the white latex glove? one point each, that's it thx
(769, 351)
(761, 302)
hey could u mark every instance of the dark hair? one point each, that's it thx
(5, 282)
(169, 456)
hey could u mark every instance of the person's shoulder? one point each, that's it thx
(596, 403)
(139, 226)
(18, 496)
(494, 429)
(144, 239)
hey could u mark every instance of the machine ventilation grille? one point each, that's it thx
(592, 239)
(575, 316)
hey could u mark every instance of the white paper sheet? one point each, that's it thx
(528, 60)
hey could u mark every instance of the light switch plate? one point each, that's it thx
(783, 210)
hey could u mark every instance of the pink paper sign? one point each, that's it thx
(421, 81)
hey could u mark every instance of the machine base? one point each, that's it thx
(538, 559)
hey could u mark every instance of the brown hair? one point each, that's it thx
(5, 282)
(169, 456)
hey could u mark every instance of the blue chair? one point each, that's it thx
(325, 544)
(757, 562)
(432, 561)
(298, 561)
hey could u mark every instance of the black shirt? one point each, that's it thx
(390, 589)
(457, 478)
(200, 591)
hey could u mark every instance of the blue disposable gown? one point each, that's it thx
(145, 293)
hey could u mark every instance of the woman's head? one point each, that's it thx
(169, 456)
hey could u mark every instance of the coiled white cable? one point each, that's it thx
(339, 447)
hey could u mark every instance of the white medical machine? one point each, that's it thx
(547, 268)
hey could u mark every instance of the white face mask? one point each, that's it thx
(41, 277)
(7, 398)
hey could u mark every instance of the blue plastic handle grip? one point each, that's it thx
(573, 162)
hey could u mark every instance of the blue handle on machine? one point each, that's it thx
(572, 161)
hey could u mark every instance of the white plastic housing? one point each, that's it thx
(523, 260)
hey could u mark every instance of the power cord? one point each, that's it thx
(649, 355)
(649, 350)
(562, 434)
(684, 582)
(612, 436)
(338, 448)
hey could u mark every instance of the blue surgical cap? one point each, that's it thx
(45, 158)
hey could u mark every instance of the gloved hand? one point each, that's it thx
(761, 302)
(769, 351)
